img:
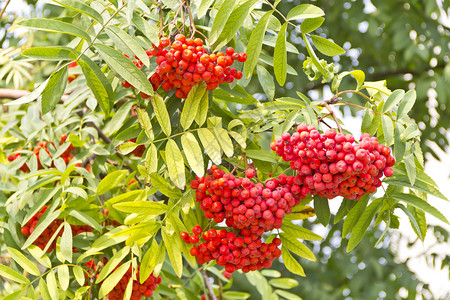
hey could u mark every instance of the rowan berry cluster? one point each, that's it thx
(47, 234)
(245, 252)
(186, 63)
(331, 164)
(139, 290)
(66, 155)
(253, 208)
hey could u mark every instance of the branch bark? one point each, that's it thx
(212, 296)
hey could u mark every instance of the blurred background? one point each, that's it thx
(405, 42)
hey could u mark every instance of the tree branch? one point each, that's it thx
(212, 296)
(4, 8)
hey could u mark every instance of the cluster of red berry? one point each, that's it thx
(139, 290)
(331, 165)
(46, 235)
(247, 252)
(252, 208)
(188, 63)
(244, 205)
(66, 155)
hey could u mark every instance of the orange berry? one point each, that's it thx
(229, 51)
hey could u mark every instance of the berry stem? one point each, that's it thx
(239, 162)
(212, 296)
(334, 116)
(355, 92)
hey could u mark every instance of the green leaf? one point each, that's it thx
(393, 99)
(191, 105)
(412, 220)
(399, 145)
(410, 168)
(130, 43)
(210, 145)
(346, 205)
(24, 262)
(234, 22)
(161, 114)
(309, 25)
(13, 275)
(174, 252)
(66, 242)
(363, 223)
(304, 11)
(295, 231)
(54, 90)
(52, 285)
(43, 290)
(113, 279)
(63, 276)
(98, 83)
(86, 219)
(125, 68)
(270, 273)
(233, 295)
(419, 203)
(193, 153)
(144, 120)
(162, 185)
(354, 214)
(31, 96)
(146, 262)
(149, 30)
(255, 43)
(388, 130)
(420, 218)
(142, 207)
(51, 53)
(126, 148)
(326, 47)
(297, 247)
(313, 56)
(262, 155)
(203, 8)
(80, 7)
(112, 263)
(42, 225)
(221, 18)
(50, 25)
(284, 283)
(287, 295)
(406, 104)
(266, 81)
(202, 112)
(322, 210)
(175, 164)
(111, 181)
(280, 56)
(79, 274)
(224, 141)
(291, 263)
(423, 182)
(40, 256)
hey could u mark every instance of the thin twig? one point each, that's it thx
(359, 106)
(334, 116)
(100, 132)
(212, 296)
(4, 8)
(355, 92)
(239, 162)
(323, 117)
